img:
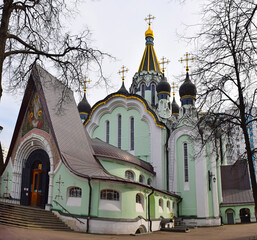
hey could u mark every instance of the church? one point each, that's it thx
(131, 163)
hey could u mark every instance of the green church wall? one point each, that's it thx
(6, 181)
(236, 212)
(118, 169)
(141, 131)
(188, 205)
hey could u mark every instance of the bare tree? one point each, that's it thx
(32, 31)
(226, 74)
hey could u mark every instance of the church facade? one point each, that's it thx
(136, 163)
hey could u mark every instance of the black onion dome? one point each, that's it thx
(187, 88)
(84, 106)
(123, 89)
(175, 107)
(163, 86)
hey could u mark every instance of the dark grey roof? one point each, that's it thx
(237, 197)
(236, 189)
(105, 150)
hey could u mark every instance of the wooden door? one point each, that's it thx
(36, 190)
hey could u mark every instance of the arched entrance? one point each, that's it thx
(245, 215)
(230, 216)
(35, 179)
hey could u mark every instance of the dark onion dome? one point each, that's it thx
(187, 89)
(123, 90)
(163, 86)
(175, 107)
(84, 106)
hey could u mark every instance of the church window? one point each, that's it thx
(132, 134)
(143, 90)
(119, 131)
(160, 205)
(185, 162)
(129, 175)
(153, 94)
(75, 192)
(107, 133)
(149, 181)
(168, 206)
(109, 194)
(139, 202)
(141, 179)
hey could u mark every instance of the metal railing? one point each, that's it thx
(70, 214)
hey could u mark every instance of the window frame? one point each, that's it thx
(132, 134)
(107, 131)
(130, 172)
(75, 192)
(106, 193)
(119, 131)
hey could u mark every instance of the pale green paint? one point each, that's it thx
(164, 162)
(141, 131)
(188, 205)
(118, 169)
(236, 211)
(6, 186)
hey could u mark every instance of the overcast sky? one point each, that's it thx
(118, 28)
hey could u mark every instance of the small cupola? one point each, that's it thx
(84, 107)
(187, 90)
(123, 89)
(163, 88)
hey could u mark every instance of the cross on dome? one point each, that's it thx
(122, 72)
(163, 62)
(174, 87)
(85, 84)
(149, 18)
(187, 59)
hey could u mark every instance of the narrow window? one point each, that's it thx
(75, 192)
(119, 131)
(129, 175)
(107, 134)
(160, 205)
(153, 94)
(143, 90)
(138, 198)
(149, 181)
(141, 178)
(132, 135)
(168, 206)
(185, 162)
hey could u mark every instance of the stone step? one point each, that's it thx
(29, 217)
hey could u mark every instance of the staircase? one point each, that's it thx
(28, 217)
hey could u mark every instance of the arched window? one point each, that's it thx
(141, 178)
(139, 202)
(168, 206)
(75, 192)
(109, 194)
(107, 131)
(143, 90)
(132, 135)
(185, 162)
(149, 181)
(119, 131)
(129, 175)
(160, 205)
(153, 94)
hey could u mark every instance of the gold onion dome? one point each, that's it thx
(149, 32)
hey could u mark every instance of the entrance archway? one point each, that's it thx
(35, 179)
(230, 216)
(245, 215)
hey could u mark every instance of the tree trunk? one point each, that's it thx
(6, 13)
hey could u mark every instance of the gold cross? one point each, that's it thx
(85, 84)
(164, 62)
(149, 18)
(122, 71)
(187, 59)
(174, 86)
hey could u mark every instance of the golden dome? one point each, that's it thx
(149, 32)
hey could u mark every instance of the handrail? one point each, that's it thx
(70, 214)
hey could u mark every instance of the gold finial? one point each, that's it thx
(149, 18)
(163, 62)
(174, 86)
(85, 84)
(122, 71)
(187, 59)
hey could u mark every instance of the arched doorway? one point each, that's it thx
(245, 215)
(230, 216)
(35, 179)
